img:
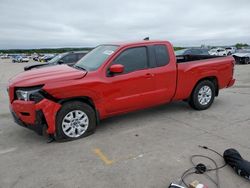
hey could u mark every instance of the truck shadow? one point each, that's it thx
(140, 117)
(154, 114)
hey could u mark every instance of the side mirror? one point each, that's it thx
(118, 68)
(60, 61)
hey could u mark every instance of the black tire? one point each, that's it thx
(194, 100)
(69, 107)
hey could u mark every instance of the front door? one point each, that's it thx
(133, 88)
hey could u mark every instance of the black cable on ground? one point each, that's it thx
(203, 169)
(225, 164)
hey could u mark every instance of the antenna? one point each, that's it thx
(146, 38)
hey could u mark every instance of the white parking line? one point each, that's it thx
(4, 151)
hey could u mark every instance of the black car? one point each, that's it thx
(69, 58)
(192, 51)
(192, 54)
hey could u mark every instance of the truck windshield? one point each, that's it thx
(95, 58)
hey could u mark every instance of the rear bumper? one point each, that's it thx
(36, 115)
(231, 83)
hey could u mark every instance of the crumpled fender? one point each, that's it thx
(49, 109)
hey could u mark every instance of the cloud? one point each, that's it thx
(61, 23)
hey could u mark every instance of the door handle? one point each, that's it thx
(149, 75)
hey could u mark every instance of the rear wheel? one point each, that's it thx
(75, 120)
(203, 95)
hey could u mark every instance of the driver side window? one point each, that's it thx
(133, 59)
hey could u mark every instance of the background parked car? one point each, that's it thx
(4, 56)
(242, 56)
(230, 50)
(36, 58)
(22, 59)
(218, 52)
(46, 58)
(192, 51)
(69, 58)
(192, 54)
(15, 59)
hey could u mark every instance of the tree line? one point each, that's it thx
(43, 50)
(62, 50)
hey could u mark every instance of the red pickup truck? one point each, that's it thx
(112, 79)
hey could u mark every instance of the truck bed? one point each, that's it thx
(188, 72)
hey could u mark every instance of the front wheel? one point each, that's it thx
(203, 95)
(75, 120)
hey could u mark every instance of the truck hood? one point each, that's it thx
(45, 75)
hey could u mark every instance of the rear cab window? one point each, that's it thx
(158, 55)
(161, 55)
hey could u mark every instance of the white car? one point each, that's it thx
(218, 52)
(242, 56)
(5, 56)
(230, 50)
(23, 59)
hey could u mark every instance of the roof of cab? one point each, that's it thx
(142, 42)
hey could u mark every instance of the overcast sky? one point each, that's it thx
(79, 23)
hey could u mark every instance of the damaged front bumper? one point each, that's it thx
(36, 115)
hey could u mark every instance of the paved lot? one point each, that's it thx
(148, 148)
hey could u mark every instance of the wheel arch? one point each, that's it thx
(213, 79)
(84, 99)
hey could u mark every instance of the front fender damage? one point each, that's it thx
(49, 109)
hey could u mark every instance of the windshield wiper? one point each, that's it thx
(78, 67)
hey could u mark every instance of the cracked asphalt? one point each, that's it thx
(148, 148)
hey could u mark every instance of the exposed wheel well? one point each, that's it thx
(86, 100)
(214, 80)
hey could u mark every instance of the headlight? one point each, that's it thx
(29, 94)
(22, 95)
